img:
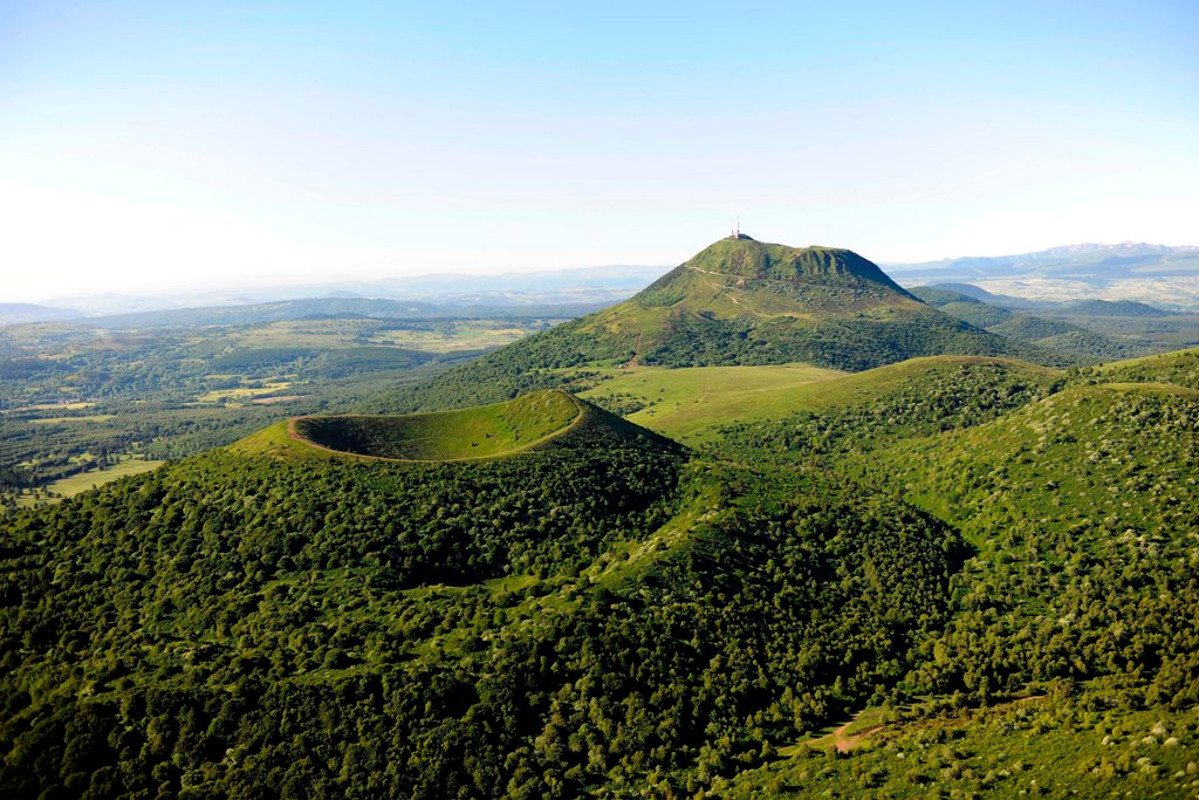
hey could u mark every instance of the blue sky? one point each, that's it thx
(146, 146)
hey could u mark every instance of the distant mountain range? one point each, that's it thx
(593, 286)
(19, 313)
(588, 288)
(1078, 262)
(331, 308)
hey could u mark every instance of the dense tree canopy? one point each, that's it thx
(611, 614)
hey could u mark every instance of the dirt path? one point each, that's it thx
(840, 738)
(636, 351)
(844, 742)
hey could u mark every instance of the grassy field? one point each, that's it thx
(69, 487)
(243, 392)
(81, 482)
(276, 399)
(307, 333)
(688, 404)
(459, 337)
(439, 337)
(681, 403)
(844, 736)
(54, 407)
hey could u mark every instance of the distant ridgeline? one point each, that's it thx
(739, 301)
(1051, 335)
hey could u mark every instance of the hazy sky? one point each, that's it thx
(152, 145)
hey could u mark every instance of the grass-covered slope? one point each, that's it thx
(686, 402)
(978, 440)
(478, 432)
(738, 302)
(867, 410)
(1041, 746)
(535, 421)
(694, 404)
(1180, 368)
(744, 257)
(746, 302)
(740, 277)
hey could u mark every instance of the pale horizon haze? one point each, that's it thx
(148, 147)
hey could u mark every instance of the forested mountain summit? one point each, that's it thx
(736, 302)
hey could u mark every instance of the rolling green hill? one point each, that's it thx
(684, 403)
(1117, 308)
(1180, 367)
(536, 421)
(1081, 508)
(1076, 492)
(595, 613)
(737, 302)
(1053, 335)
(591, 609)
(1074, 450)
(693, 404)
(480, 432)
(861, 413)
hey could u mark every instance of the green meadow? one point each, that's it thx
(82, 481)
(690, 403)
